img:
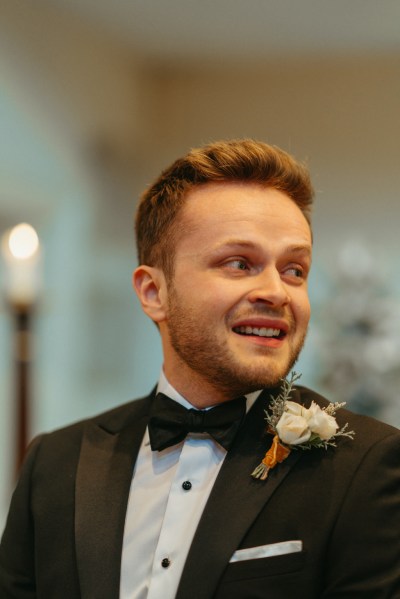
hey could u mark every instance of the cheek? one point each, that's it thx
(208, 293)
(301, 309)
(199, 301)
(224, 298)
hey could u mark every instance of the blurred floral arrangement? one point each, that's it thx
(359, 341)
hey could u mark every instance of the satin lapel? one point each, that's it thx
(102, 489)
(234, 504)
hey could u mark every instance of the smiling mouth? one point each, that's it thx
(260, 332)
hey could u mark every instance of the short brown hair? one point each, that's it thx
(243, 160)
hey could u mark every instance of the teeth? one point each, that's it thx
(260, 331)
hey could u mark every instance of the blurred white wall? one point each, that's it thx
(69, 105)
(85, 124)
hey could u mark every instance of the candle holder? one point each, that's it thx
(21, 255)
(22, 327)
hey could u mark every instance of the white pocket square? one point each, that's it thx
(267, 551)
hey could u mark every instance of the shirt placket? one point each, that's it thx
(197, 469)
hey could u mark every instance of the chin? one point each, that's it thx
(249, 381)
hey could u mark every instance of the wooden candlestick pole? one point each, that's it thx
(22, 357)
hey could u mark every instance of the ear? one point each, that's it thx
(151, 289)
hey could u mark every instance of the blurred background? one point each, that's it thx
(96, 97)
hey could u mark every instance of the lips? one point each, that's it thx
(272, 330)
(258, 331)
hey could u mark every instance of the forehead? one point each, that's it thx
(221, 211)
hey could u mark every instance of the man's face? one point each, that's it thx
(237, 305)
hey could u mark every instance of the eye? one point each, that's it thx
(294, 272)
(297, 273)
(237, 264)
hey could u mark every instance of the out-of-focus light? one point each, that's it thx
(23, 241)
(22, 273)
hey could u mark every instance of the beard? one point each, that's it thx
(195, 342)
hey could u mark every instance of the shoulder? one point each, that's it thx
(65, 442)
(363, 471)
(371, 436)
(305, 396)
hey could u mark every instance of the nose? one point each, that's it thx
(269, 289)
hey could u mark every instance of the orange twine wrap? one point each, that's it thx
(275, 454)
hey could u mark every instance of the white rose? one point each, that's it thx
(322, 424)
(295, 408)
(293, 429)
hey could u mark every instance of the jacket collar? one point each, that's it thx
(108, 454)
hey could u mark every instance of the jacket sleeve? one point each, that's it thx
(17, 562)
(364, 557)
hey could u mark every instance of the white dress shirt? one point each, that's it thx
(168, 493)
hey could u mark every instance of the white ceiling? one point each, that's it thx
(183, 30)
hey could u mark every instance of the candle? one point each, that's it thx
(21, 253)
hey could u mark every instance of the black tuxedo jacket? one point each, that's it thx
(64, 532)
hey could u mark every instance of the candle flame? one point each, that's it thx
(23, 241)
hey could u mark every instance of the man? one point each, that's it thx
(127, 505)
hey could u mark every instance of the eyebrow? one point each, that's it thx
(234, 243)
(300, 249)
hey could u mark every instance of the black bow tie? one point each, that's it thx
(170, 422)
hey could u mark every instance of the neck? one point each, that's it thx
(197, 391)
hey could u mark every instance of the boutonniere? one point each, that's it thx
(297, 427)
